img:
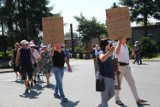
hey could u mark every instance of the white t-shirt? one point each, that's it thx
(123, 56)
(36, 56)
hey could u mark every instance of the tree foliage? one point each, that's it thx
(141, 10)
(89, 29)
(22, 18)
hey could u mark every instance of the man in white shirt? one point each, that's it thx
(122, 54)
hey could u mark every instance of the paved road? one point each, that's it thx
(79, 87)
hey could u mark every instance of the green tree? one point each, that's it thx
(23, 18)
(89, 29)
(141, 10)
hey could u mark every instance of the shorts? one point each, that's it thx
(26, 72)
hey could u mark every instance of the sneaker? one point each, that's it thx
(119, 102)
(64, 99)
(56, 95)
(141, 101)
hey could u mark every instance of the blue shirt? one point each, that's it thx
(107, 66)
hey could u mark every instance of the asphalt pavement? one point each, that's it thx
(79, 88)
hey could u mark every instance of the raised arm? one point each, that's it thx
(52, 50)
(104, 57)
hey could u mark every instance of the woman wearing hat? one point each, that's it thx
(37, 58)
(46, 63)
(106, 69)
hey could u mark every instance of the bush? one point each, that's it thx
(6, 56)
(130, 49)
(148, 48)
(79, 49)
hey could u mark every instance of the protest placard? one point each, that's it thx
(118, 23)
(53, 30)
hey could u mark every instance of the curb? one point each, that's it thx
(6, 72)
(149, 60)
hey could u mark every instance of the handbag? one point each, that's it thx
(100, 83)
(100, 86)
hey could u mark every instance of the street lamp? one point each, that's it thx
(71, 30)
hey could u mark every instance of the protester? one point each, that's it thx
(106, 69)
(24, 54)
(59, 58)
(66, 51)
(96, 50)
(138, 53)
(122, 54)
(46, 63)
(13, 61)
(37, 58)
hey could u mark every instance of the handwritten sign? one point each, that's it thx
(118, 23)
(53, 30)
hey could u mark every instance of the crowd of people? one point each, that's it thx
(28, 61)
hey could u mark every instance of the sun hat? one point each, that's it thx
(31, 44)
(24, 42)
(44, 46)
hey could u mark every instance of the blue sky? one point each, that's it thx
(89, 8)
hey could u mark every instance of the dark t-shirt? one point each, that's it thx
(137, 47)
(58, 59)
(25, 57)
(107, 66)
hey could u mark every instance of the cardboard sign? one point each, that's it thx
(118, 23)
(53, 30)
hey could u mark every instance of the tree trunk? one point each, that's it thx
(145, 20)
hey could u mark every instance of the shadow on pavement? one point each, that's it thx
(50, 86)
(38, 87)
(18, 81)
(31, 95)
(143, 105)
(69, 103)
(143, 64)
(123, 106)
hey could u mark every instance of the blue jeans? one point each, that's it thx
(59, 72)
